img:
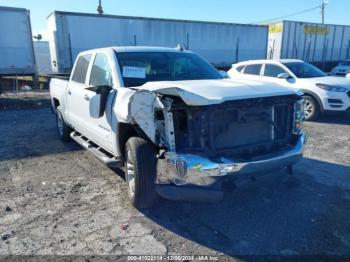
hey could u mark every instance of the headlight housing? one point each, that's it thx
(331, 88)
(298, 117)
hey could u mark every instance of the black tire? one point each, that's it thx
(63, 129)
(140, 166)
(311, 108)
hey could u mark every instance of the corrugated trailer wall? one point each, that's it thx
(220, 43)
(42, 57)
(16, 45)
(321, 44)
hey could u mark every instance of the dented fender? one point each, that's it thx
(137, 107)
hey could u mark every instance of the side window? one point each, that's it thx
(252, 69)
(101, 72)
(240, 68)
(273, 70)
(81, 68)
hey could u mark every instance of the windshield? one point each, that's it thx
(138, 68)
(304, 70)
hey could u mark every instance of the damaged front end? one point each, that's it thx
(199, 145)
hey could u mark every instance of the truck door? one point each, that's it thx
(100, 75)
(75, 93)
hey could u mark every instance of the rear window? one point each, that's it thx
(81, 68)
(252, 69)
(240, 68)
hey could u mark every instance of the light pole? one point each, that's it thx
(99, 8)
(323, 7)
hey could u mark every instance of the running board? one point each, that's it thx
(101, 155)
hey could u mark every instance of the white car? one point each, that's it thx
(321, 92)
(343, 69)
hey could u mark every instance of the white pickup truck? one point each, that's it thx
(177, 126)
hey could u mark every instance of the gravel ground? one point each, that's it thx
(57, 199)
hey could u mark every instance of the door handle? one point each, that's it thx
(86, 97)
(69, 92)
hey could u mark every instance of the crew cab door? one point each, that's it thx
(75, 93)
(90, 69)
(100, 74)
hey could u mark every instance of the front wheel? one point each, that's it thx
(311, 108)
(140, 172)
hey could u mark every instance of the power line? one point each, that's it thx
(282, 17)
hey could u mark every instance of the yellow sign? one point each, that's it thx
(276, 28)
(315, 30)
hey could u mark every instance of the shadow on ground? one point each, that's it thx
(24, 100)
(30, 133)
(307, 213)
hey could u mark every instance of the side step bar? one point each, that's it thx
(101, 155)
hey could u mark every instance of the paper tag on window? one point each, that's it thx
(134, 72)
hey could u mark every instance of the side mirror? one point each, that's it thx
(98, 102)
(283, 76)
(223, 73)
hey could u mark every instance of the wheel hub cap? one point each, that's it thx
(130, 175)
(309, 109)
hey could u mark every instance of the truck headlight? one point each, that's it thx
(332, 88)
(298, 117)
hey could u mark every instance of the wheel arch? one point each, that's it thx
(54, 104)
(314, 96)
(124, 132)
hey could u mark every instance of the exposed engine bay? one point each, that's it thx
(241, 129)
(199, 143)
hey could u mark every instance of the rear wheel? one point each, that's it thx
(140, 172)
(63, 129)
(311, 108)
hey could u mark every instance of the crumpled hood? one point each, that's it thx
(208, 92)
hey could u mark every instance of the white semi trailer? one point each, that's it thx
(16, 45)
(220, 43)
(324, 45)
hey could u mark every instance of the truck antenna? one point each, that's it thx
(99, 8)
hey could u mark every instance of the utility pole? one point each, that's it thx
(323, 7)
(99, 8)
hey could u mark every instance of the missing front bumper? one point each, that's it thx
(188, 169)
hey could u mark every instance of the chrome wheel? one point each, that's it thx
(309, 109)
(130, 175)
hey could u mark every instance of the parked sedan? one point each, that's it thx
(321, 92)
(342, 69)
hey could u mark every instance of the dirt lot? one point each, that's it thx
(57, 199)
